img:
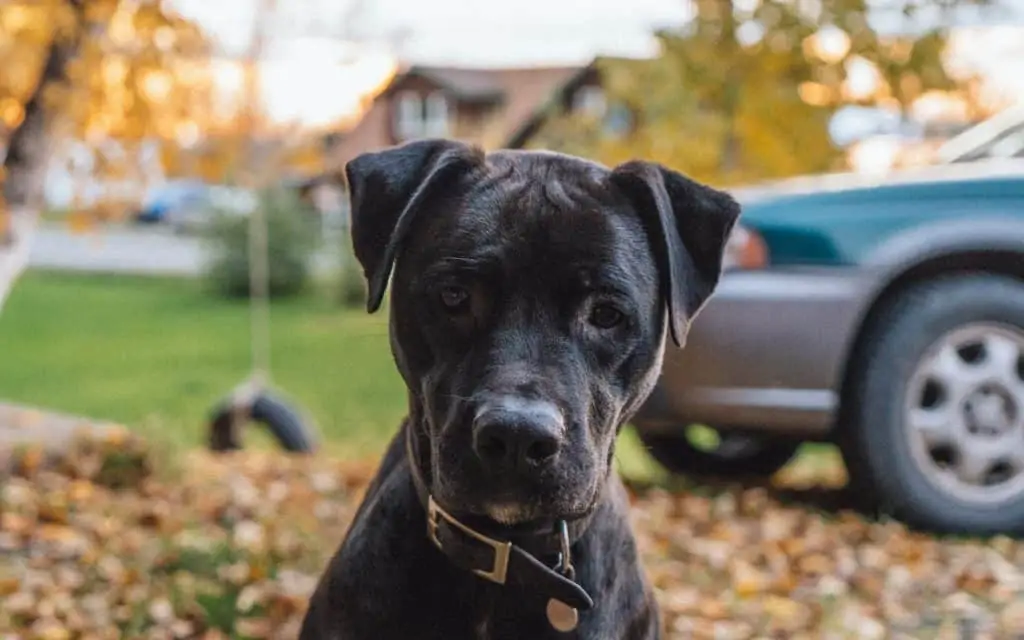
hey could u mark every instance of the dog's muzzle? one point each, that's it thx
(503, 562)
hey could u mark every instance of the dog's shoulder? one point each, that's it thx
(610, 561)
(382, 581)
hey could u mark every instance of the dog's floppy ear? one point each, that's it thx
(688, 225)
(386, 188)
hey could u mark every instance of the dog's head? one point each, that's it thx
(530, 297)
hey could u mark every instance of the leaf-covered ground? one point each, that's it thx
(93, 544)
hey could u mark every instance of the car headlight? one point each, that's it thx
(745, 249)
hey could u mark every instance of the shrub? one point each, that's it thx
(291, 244)
(353, 284)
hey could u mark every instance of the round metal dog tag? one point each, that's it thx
(561, 616)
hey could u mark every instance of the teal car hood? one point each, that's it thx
(843, 227)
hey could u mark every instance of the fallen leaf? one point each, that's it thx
(92, 542)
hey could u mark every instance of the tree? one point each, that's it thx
(93, 70)
(746, 89)
(116, 75)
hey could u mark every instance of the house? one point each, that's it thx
(491, 108)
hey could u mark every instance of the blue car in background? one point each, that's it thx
(184, 205)
(166, 201)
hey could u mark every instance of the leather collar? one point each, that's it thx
(499, 559)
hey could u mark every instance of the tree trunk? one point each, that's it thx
(731, 161)
(731, 140)
(26, 160)
(28, 148)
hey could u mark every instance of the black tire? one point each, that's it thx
(756, 458)
(283, 422)
(872, 436)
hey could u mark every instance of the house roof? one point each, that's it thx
(466, 84)
(531, 91)
(520, 95)
(529, 125)
(530, 122)
(523, 91)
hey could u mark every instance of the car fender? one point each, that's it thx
(899, 254)
(925, 242)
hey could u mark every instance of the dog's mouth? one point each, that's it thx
(510, 514)
(514, 520)
(530, 517)
(513, 516)
(534, 508)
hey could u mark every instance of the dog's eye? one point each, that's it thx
(454, 299)
(606, 316)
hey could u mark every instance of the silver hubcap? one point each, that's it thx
(965, 413)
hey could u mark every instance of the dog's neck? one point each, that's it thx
(501, 554)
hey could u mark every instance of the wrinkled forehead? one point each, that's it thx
(543, 213)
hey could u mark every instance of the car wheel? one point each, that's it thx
(937, 433)
(719, 453)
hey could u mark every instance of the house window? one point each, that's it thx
(408, 115)
(435, 115)
(419, 117)
(590, 101)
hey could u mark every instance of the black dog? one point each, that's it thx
(531, 296)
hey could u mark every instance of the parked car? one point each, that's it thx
(185, 205)
(172, 201)
(886, 316)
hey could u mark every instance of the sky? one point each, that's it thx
(306, 72)
(312, 78)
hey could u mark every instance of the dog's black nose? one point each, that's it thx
(516, 434)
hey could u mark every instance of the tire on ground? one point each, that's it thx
(674, 451)
(281, 419)
(872, 436)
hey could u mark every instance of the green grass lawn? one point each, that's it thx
(157, 354)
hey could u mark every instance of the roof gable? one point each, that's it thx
(469, 85)
(518, 92)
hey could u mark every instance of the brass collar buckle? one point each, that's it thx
(502, 550)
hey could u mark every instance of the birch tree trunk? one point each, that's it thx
(25, 164)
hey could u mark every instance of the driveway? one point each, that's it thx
(126, 250)
(117, 250)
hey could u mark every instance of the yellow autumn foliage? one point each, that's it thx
(745, 92)
(133, 75)
(139, 73)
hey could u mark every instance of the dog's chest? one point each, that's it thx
(526, 627)
(525, 618)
